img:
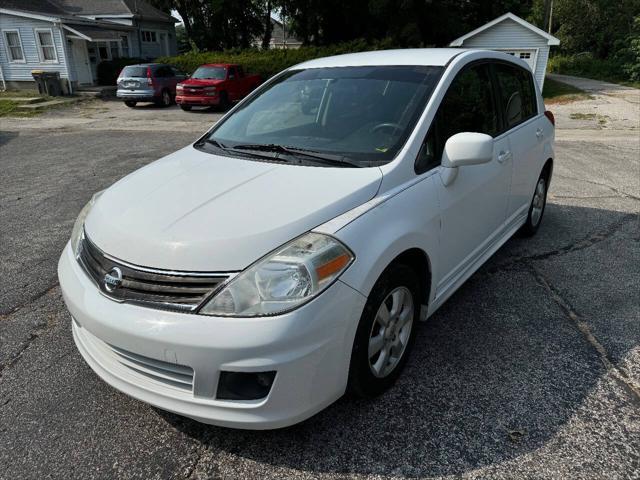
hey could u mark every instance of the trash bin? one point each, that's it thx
(48, 82)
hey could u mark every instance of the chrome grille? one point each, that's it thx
(166, 290)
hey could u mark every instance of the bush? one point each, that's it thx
(109, 70)
(585, 65)
(267, 63)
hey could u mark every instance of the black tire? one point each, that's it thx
(225, 104)
(130, 103)
(362, 380)
(186, 108)
(165, 99)
(537, 207)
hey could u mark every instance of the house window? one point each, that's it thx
(124, 44)
(46, 47)
(525, 55)
(115, 53)
(103, 51)
(149, 36)
(14, 46)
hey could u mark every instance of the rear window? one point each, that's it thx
(134, 72)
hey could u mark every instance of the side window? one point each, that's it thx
(517, 94)
(163, 72)
(468, 106)
(240, 71)
(232, 72)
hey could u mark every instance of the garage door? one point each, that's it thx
(528, 56)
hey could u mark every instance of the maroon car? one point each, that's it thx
(215, 84)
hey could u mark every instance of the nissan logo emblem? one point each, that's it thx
(113, 279)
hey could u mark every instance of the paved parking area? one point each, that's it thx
(531, 370)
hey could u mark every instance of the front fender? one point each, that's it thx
(408, 219)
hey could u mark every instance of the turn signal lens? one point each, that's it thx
(284, 279)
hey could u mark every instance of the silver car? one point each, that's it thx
(148, 82)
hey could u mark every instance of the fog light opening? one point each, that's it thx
(244, 385)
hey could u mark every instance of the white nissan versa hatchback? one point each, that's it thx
(250, 279)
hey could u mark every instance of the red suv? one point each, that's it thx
(215, 84)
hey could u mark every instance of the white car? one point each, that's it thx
(250, 279)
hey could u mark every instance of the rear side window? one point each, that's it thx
(517, 94)
(468, 106)
(134, 72)
(164, 72)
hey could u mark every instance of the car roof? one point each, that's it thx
(218, 65)
(407, 56)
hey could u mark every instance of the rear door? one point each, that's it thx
(473, 206)
(519, 108)
(233, 84)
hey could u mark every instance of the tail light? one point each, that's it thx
(149, 77)
(549, 115)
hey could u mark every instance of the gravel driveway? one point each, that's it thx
(532, 369)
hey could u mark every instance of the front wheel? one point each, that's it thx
(130, 103)
(536, 209)
(385, 333)
(186, 108)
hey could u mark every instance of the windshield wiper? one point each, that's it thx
(217, 144)
(323, 157)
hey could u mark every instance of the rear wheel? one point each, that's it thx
(165, 99)
(386, 332)
(536, 209)
(130, 103)
(186, 108)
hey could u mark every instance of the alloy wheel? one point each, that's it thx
(538, 202)
(390, 332)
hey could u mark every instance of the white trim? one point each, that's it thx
(6, 42)
(41, 47)
(551, 40)
(18, 13)
(82, 36)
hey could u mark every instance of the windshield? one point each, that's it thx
(363, 114)
(210, 73)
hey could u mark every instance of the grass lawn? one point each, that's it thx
(9, 108)
(20, 93)
(558, 92)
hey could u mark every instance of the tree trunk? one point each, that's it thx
(266, 38)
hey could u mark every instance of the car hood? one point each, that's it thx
(200, 82)
(195, 211)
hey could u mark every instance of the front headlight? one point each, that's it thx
(284, 279)
(78, 227)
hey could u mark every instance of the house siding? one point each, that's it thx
(511, 35)
(153, 50)
(15, 72)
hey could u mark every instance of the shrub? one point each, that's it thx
(269, 62)
(108, 70)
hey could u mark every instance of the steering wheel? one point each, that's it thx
(382, 126)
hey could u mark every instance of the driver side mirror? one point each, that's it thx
(462, 149)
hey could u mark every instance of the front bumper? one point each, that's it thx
(309, 349)
(197, 100)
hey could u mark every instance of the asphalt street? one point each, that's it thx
(531, 370)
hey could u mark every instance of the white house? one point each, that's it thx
(73, 36)
(515, 36)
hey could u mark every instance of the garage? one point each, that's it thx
(515, 36)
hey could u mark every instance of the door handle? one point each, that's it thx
(504, 156)
(539, 133)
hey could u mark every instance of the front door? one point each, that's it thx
(473, 207)
(81, 62)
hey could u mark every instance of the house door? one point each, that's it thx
(528, 55)
(81, 62)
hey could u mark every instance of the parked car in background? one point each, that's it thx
(215, 84)
(148, 82)
(250, 279)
